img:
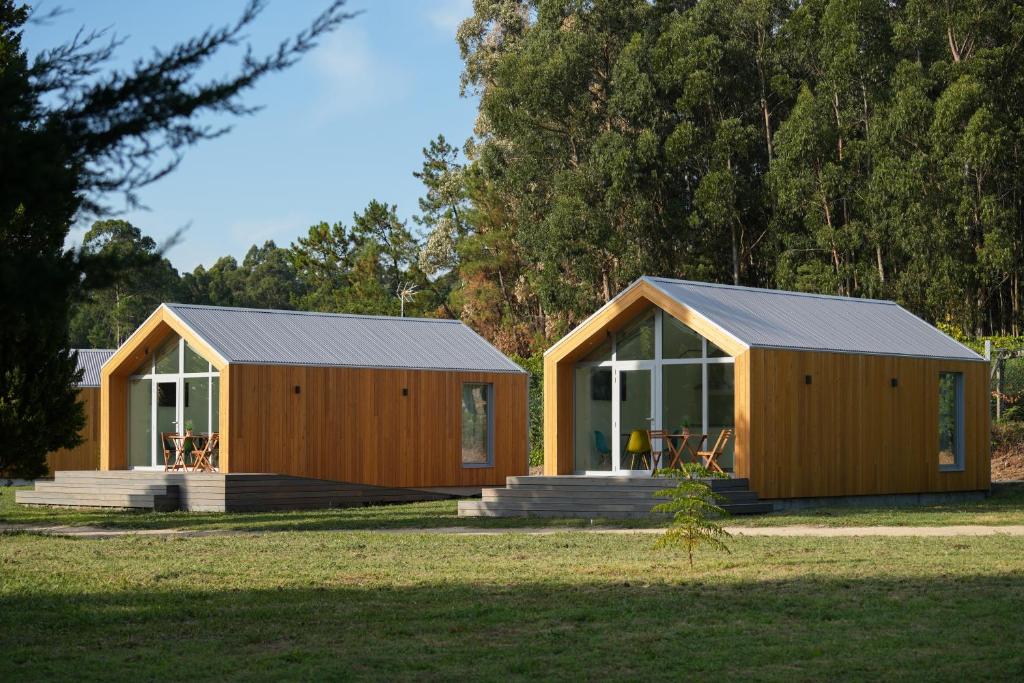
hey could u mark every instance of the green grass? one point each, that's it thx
(1006, 506)
(359, 605)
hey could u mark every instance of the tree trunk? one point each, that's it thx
(1015, 306)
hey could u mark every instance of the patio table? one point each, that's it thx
(178, 441)
(679, 444)
(198, 441)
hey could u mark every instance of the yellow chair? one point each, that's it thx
(639, 446)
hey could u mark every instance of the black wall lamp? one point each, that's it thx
(807, 379)
(894, 382)
(405, 391)
(298, 389)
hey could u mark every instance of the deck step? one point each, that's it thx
(583, 496)
(166, 501)
(614, 497)
(562, 482)
(213, 492)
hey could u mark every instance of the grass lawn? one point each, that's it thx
(360, 605)
(1005, 506)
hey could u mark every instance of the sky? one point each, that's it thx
(344, 126)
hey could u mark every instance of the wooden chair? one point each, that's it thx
(201, 457)
(670, 446)
(174, 458)
(711, 457)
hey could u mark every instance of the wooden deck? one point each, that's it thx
(596, 496)
(199, 491)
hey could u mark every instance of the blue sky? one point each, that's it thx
(344, 126)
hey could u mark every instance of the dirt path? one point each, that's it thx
(787, 531)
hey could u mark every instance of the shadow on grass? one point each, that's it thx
(431, 514)
(1006, 505)
(807, 628)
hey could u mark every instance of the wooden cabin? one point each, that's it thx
(398, 402)
(828, 396)
(86, 455)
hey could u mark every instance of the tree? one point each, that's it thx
(267, 278)
(443, 215)
(322, 261)
(106, 316)
(693, 505)
(70, 135)
(386, 260)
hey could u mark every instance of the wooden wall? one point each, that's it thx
(86, 455)
(850, 432)
(354, 425)
(847, 433)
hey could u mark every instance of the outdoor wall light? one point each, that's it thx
(895, 382)
(405, 391)
(298, 389)
(807, 379)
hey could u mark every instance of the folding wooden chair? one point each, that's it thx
(711, 457)
(174, 457)
(201, 457)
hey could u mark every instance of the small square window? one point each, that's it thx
(477, 425)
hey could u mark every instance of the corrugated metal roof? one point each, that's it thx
(248, 335)
(90, 361)
(772, 318)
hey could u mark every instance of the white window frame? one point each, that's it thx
(156, 456)
(655, 365)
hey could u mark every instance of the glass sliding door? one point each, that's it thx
(682, 398)
(593, 436)
(196, 408)
(721, 397)
(140, 423)
(166, 418)
(635, 418)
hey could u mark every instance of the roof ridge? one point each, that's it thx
(324, 314)
(766, 290)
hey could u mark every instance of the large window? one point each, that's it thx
(951, 421)
(477, 425)
(174, 389)
(656, 372)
